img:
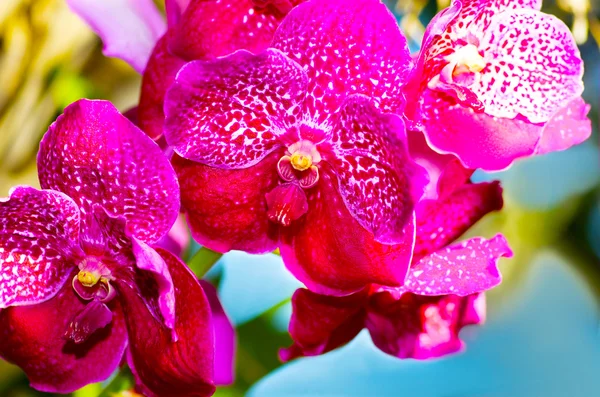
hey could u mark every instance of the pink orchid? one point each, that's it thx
(498, 80)
(204, 30)
(443, 291)
(294, 148)
(134, 31)
(80, 284)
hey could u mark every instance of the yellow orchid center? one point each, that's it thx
(467, 59)
(87, 278)
(301, 162)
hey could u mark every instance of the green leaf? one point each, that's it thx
(203, 260)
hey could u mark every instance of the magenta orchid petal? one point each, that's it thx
(209, 29)
(376, 63)
(419, 327)
(39, 233)
(440, 222)
(174, 10)
(96, 156)
(233, 111)
(146, 258)
(162, 365)
(321, 323)
(378, 180)
(461, 269)
(33, 338)
(479, 140)
(225, 342)
(331, 253)
(538, 57)
(177, 241)
(128, 28)
(158, 77)
(223, 218)
(569, 126)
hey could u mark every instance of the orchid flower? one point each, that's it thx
(498, 80)
(443, 291)
(298, 148)
(80, 285)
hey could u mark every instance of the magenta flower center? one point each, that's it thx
(300, 164)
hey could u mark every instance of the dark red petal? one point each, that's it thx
(158, 76)
(209, 29)
(420, 327)
(439, 222)
(33, 338)
(346, 47)
(39, 232)
(331, 253)
(227, 209)
(161, 365)
(95, 155)
(93, 318)
(225, 344)
(321, 323)
(231, 112)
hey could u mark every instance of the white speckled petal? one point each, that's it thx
(533, 66)
(233, 111)
(379, 182)
(346, 47)
(38, 245)
(460, 269)
(95, 155)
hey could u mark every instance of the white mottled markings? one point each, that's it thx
(38, 241)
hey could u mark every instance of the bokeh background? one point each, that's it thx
(542, 336)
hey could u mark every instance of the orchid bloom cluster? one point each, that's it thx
(303, 126)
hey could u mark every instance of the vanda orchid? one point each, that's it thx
(80, 285)
(443, 291)
(498, 80)
(293, 148)
(197, 29)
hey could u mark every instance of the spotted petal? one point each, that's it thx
(379, 182)
(569, 126)
(161, 364)
(461, 269)
(33, 338)
(422, 327)
(533, 66)
(96, 156)
(233, 111)
(128, 28)
(209, 29)
(39, 233)
(346, 47)
(462, 19)
(331, 253)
